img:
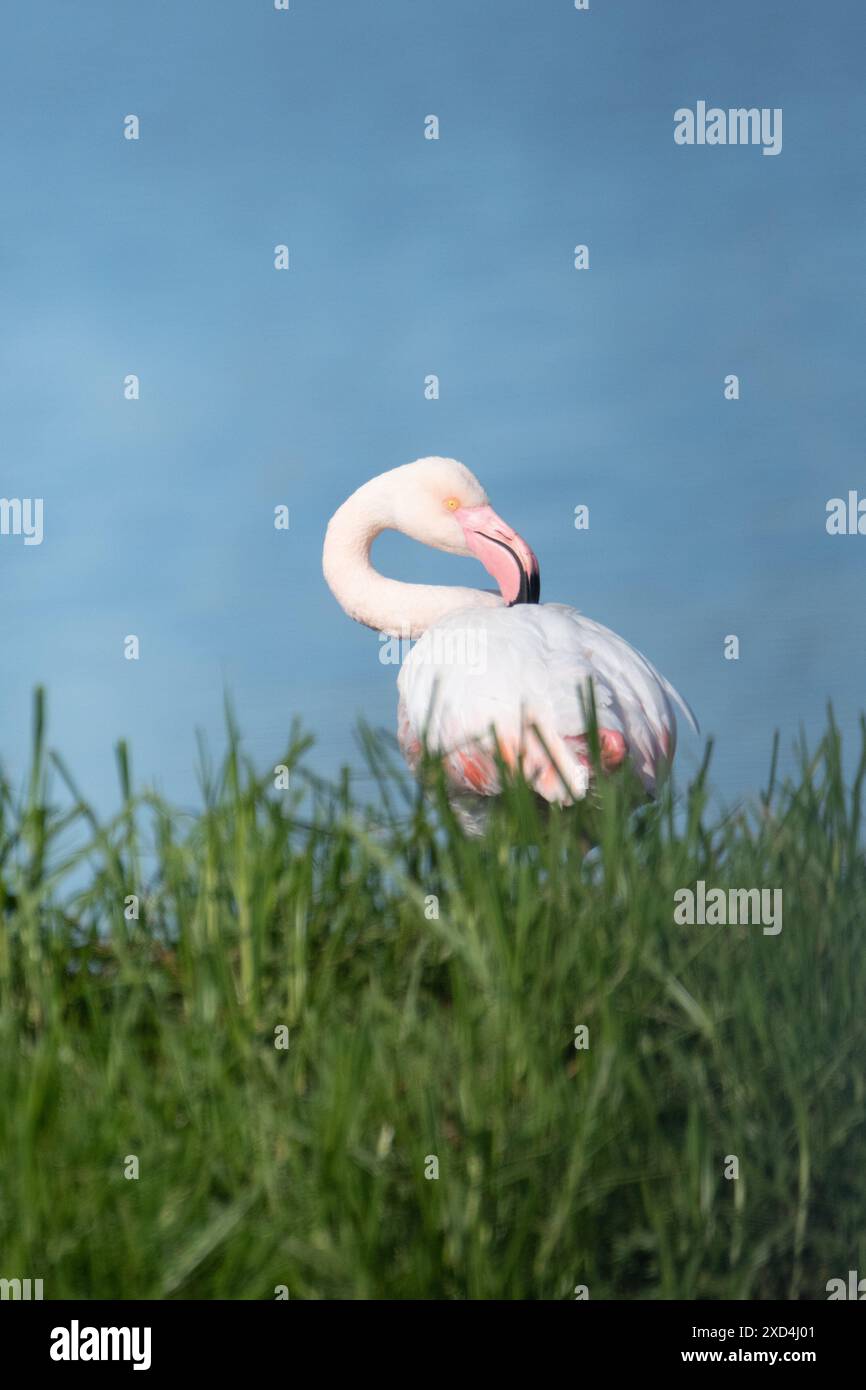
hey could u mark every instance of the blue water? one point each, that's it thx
(409, 257)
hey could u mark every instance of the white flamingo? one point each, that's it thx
(492, 669)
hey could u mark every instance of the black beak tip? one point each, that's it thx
(530, 584)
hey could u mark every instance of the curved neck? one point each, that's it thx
(388, 605)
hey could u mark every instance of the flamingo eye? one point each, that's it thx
(452, 503)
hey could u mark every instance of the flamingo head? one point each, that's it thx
(447, 508)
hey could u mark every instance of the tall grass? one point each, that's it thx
(431, 985)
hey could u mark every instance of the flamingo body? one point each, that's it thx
(482, 677)
(494, 677)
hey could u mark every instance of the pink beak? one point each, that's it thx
(503, 554)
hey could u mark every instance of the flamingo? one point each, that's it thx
(494, 678)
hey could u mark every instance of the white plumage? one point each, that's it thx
(515, 669)
(494, 676)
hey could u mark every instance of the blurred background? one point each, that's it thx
(411, 257)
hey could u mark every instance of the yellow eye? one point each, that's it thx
(452, 504)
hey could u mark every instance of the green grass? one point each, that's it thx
(412, 1035)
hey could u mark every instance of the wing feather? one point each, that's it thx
(507, 669)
